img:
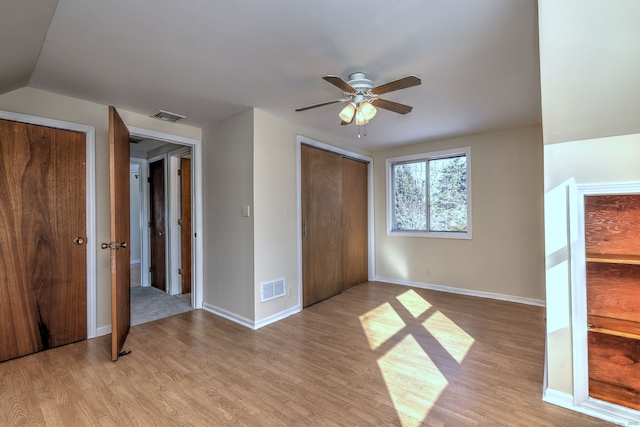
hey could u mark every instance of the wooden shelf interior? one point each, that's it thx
(614, 258)
(612, 240)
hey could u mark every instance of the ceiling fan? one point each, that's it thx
(362, 96)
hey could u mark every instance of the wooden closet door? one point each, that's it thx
(157, 231)
(185, 217)
(354, 222)
(322, 258)
(43, 253)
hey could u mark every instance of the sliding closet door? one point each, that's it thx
(322, 268)
(354, 222)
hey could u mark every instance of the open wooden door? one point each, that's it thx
(120, 262)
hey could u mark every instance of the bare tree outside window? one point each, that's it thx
(448, 194)
(410, 196)
(430, 195)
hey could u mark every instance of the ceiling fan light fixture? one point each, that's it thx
(368, 110)
(347, 112)
(360, 117)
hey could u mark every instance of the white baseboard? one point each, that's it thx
(247, 322)
(278, 316)
(228, 315)
(594, 408)
(469, 292)
(105, 330)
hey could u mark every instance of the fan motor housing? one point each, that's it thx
(360, 82)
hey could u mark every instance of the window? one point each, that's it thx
(429, 194)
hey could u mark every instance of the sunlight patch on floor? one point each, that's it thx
(380, 324)
(414, 303)
(455, 340)
(413, 380)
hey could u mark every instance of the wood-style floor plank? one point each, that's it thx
(375, 355)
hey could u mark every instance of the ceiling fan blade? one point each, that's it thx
(308, 107)
(403, 83)
(337, 81)
(392, 106)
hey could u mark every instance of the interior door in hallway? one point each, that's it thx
(157, 223)
(185, 223)
(120, 232)
(355, 228)
(43, 273)
(322, 225)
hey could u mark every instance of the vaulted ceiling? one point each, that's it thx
(211, 59)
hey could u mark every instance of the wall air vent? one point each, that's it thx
(167, 116)
(272, 290)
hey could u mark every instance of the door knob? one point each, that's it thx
(114, 245)
(78, 240)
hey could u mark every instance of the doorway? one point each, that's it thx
(157, 290)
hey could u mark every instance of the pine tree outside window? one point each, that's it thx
(429, 194)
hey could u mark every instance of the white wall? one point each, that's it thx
(40, 103)
(250, 159)
(505, 255)
(589, 67)
(227, 157)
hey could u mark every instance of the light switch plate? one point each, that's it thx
(245, 210)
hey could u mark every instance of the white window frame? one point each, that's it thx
(464, 151)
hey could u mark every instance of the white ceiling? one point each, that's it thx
(211, 59)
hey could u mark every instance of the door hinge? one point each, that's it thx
(180, 271)
(149, 179)
(149, 224)
(179, 172)
(180, 222)
(149, 269)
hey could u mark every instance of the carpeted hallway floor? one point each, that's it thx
(149, 303)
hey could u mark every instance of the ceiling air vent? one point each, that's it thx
(167, 116)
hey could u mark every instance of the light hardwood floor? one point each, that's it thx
(375, 355)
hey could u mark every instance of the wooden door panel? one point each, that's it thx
(355, 223)
(120, 232)
(157, 219)
(322, 225)
(185, 215)
(42, 211)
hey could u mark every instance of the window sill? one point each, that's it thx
(432, 234)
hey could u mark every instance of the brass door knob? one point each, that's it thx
(78, 240)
